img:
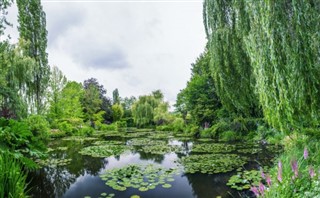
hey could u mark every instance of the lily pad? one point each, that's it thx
(244, 180)
(103, 150)
(166, 185)
(212, 163)
(213, 148)
(141, 177)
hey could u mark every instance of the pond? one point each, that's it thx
(145, 164)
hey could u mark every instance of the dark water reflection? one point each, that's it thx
(81, 177)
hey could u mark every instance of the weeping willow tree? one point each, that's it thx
(284, 49)
(226, 22)
(271, 48)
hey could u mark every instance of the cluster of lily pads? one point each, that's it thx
(52, 162)
(145, 141)
(103, 150)
(160, 149)
(79, 138)
(213, 148)
(141, 177)
(108, 142)
(244, 180)
(212, 163)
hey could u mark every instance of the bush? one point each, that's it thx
(17, 138)
(12, 178)
(85, 130)
(108, 127)
(229, 136)
(165, 128)
(66, 127)
(121, 124)
(39, 126)
(178, 125)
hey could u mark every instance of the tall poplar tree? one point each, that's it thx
(32, 28)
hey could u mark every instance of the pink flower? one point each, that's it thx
(294, 167)
(255, 191)
(268, 179)
(280, 175)
(311, 172)
(262, 174)
(261, 188)
(305, 153)
(279, 165)
(279, 171)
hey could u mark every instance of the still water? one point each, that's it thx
(81, 178)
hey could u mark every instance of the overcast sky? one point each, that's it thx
(134, 46)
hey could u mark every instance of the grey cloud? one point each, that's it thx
(101, 58)
(61, 20)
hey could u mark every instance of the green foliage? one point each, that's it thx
(141, 177)
(178, 125)
(121, 124)
(296, 172)
(108, 127)
(12, 178)
(228, 136)
(117, 112)
(32, 28)
(39, 126)
(199, 98)
(285, 58)
(17, 138)
(226, 24)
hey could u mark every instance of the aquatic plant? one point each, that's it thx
(212, 163)
(141, 177)
(244, 180)
(145, 141)
(213, 148)
(51, 162)
(108, 142)
(79, 138)
(103, 150)
(161, 149)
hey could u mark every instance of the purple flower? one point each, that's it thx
(268, 179)
(311, 172)
(279, 171)
(294, 167)
(279, 165)
(280, 175)
(255, 191)
(262, 174)
(261, 188)
(305, 153)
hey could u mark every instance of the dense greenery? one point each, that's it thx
(258, 78)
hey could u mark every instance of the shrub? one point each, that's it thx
(108, 127)
(39, 126)
(229, 136)
(66, 127)
(17, 138)
(121, 124)
(85, 130)
(178, 125)
(12, 178)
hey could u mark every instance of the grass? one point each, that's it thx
(12, 178)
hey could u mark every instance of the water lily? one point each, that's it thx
(305, 153)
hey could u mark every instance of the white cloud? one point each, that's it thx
(135, 47)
